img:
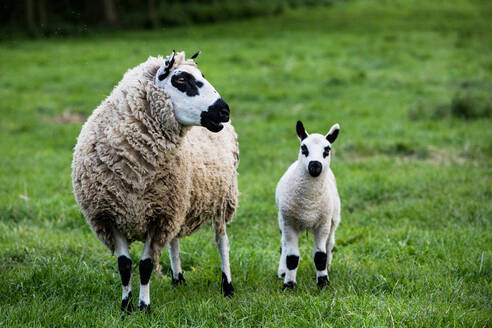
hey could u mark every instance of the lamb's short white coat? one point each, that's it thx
(308, 203)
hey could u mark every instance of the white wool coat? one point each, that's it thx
(136, 168)
(307, 203)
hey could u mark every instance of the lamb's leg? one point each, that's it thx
(176, 262)
(319, 255)
(125, 268)
(290, 239)
(145, 268)
(223, 246)
(282, 268)
(331, 238)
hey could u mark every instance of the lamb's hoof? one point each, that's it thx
(227, 288)
(323, 281)
(289, 285)
(127, 305)
(180, 281)
(144, 307)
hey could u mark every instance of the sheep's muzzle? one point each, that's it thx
(216, 114)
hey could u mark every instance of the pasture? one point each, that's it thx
(409, 82)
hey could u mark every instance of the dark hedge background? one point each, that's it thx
(68, 17)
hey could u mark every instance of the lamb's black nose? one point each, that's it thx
(315, 168)
(220, 110)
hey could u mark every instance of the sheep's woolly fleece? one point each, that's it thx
(139, 170)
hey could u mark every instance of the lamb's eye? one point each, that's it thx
(304, 150)
(181, 80)
(326, 152)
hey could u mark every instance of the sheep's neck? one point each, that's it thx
(174, 136)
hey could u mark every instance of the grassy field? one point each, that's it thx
(410, 83)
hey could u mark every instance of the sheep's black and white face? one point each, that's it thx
(315, 150)
(195, 100)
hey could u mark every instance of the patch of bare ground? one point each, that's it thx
(68, 117)
(431, 155)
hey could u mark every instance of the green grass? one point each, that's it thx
(414, 172)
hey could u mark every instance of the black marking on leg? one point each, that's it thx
(320, 261)
(125, 268)
(227, 288)
(145, 269)
(289, 285)
(144, 307)
(323, 281)
(127, 304)
(180, 281)
(292, 262)
(280, 249)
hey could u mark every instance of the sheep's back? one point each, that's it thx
(110, 176)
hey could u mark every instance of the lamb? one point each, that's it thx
(307, 199)
(143, 169)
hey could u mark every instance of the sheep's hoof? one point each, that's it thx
(323, 281)
(180, 281)
(127, 304)
(227, 288)
(144, 307)
(289, 285)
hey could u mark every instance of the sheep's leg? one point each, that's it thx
(319, 255)
(223, 246)
(125, 268)
(290, 243)
(145, 268)
(178, 277)
(282, 268)
(331, 238)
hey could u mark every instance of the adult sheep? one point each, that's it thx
(143, 170)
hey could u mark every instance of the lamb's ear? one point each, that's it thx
(333, 133)
(301, 132)
(196, 54)
(168, 64)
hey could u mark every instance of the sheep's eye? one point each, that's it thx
(304, 150)
(181, 80)
(326, 152)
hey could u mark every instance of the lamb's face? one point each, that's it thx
(315, 149)
(195, 100)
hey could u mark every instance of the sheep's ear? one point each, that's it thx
(333, 133)
(168, 64)
(301, 132)
(196, 54)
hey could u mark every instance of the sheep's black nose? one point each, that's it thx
(220, 110)
(315, 168)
